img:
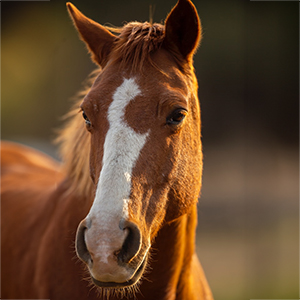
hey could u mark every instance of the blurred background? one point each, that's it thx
(247, 67)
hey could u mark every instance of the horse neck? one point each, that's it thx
(171, 261)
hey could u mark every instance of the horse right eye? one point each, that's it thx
(87, 121)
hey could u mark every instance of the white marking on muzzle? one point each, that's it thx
(122, 148)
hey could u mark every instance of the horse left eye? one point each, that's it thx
(176, 117)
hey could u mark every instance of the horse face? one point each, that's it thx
(145, 157)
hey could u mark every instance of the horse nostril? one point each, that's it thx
(132, 243)
(81, 248)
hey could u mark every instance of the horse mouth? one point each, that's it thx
(116, 285)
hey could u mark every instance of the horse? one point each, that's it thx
(124, 199)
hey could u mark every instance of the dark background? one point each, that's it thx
(248, 72)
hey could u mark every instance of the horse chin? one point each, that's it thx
(119, 285)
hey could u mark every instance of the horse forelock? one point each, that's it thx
(136, 42)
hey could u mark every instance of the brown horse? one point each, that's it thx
(131, 176)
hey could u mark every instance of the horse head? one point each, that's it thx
(143, 118)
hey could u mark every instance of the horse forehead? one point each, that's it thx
(137, 100)
(126, 93)
(123, 94)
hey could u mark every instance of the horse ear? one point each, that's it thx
(97, 38)
(183, 28)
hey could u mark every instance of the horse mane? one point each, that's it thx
(134, 44)
(74, 145)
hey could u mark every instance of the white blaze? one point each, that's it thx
(122, 147)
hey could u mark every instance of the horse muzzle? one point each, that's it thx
(115, 256)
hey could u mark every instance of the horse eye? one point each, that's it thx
(87, 121)
(176, 117)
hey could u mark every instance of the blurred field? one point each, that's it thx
(247, 67)
(248, 237)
